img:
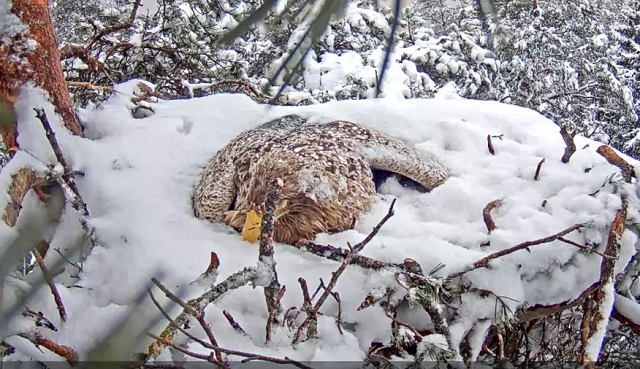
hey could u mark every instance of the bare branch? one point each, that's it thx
(52, 285)
(39, 340)
(537, 175)
(196, 313)
(334, 278)
(233, 323)
(490, 145)
(614, 159)
(484, 262)
(486, 214)
(568, 140)
(338, 254)
(606, 293)
(272, 312)
(266, 249)
(286, 360)
(541, 311)
(589, 249)
(39, 319)
(236, 280)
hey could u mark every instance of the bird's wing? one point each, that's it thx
(215, 193)
(392, 155)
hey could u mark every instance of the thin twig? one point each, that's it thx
(537, 175)
(272, 312)
(39, 319)
(171, 296)
(334, 278)
(339, 254)
(39, 340)
(230, 352)
(486, 214)
(569, 242)
(196, 313)
(266, 248)
(336, 296)
(53, 141)
(173, 322)
(568, 140)
(236, 280)
(7, 349)
(428, 298)
(52, 285)
(484, 262)
(233, 323)
(490, 145)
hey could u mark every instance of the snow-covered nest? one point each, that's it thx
(139, 175)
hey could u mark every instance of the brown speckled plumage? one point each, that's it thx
(326, 169)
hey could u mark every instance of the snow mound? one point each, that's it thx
(139, 175)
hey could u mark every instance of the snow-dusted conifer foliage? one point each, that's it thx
(559, 59)
(172, 46)
(629, 62)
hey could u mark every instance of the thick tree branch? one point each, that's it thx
(604, 296)
(614, 159)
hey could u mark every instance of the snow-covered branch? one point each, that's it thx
(484, 262)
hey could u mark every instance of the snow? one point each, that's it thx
(594, 343)
(10, 24)
(140, 173)
(627, 308)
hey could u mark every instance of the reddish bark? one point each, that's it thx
(21, 63)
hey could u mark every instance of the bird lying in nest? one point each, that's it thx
(327, 170)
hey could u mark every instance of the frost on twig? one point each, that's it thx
(271, 291)
(190, 309)
(427, 296)
(339, 254)
(311, 313)
(234, 281)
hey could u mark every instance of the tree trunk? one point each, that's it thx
(32, 56)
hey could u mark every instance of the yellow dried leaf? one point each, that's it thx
(251, 229)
